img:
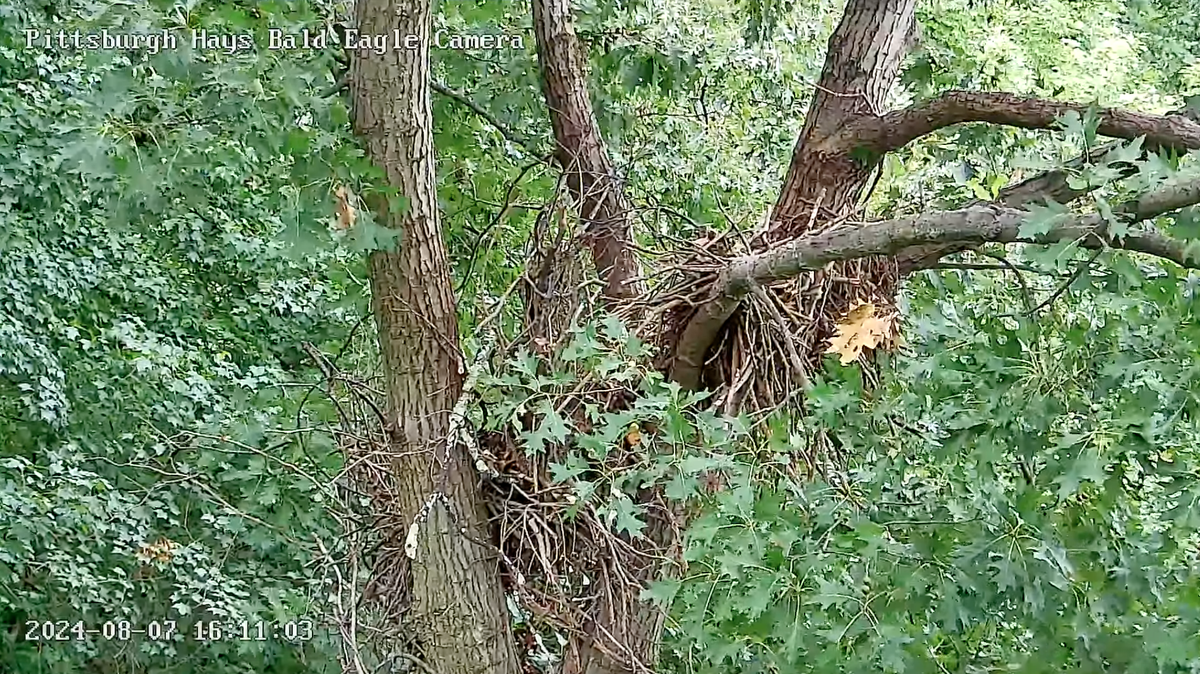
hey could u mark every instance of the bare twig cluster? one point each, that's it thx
(368, 567)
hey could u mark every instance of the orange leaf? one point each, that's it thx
(862, 329)
(161, 550)
(345, 207)
(634, 437)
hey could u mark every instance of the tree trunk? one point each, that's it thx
(580, 150)
(458, 613)
(864, 57)
(622, 632)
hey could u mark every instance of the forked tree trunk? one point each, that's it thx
(864, 56)
(458, 612)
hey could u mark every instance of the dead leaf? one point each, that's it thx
(345, 207)
(634, 437)
(160, 551)
(862, 329)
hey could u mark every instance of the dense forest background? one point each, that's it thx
(194, 411)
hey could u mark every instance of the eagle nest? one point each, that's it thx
(562, 559)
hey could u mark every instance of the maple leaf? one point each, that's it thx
(862, 329)
(345, 207)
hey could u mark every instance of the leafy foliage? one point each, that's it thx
(1020, 493)
(164, 255)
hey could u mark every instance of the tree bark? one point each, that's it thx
(580, 150)
(864, 56)
(458, 612)
(622, 632)
(878, 135)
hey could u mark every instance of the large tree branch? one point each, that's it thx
(891, 131)
(1053, 185)
(977, 224)
(581, 151)
(864, 55)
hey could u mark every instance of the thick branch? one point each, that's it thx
(974, 225)
(880, 134)
(581, 151)
(1053, 185)
(1165, 199)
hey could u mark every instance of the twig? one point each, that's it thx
(504, 209)
(1066, 284)
(994, 267)
(793, 356)
(1025, 294)
(509, 135)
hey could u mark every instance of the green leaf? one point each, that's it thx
(661, 592)
(1041, 219)
(831, 594)
(1086, 467)
(1072, 123)
(1117, 227)
(760, 595)
(552, 428)
(681, 487)
(367, 236)
(1125, 153)
(1186, 223)
(625, 516)
(573, 467)
(613, 329)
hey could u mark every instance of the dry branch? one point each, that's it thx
(976, 224)
(894, 130)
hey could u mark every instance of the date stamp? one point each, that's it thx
(110, 630)
(167, 630)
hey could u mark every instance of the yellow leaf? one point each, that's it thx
(345, 207)
(862, 329)
(634, 437)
